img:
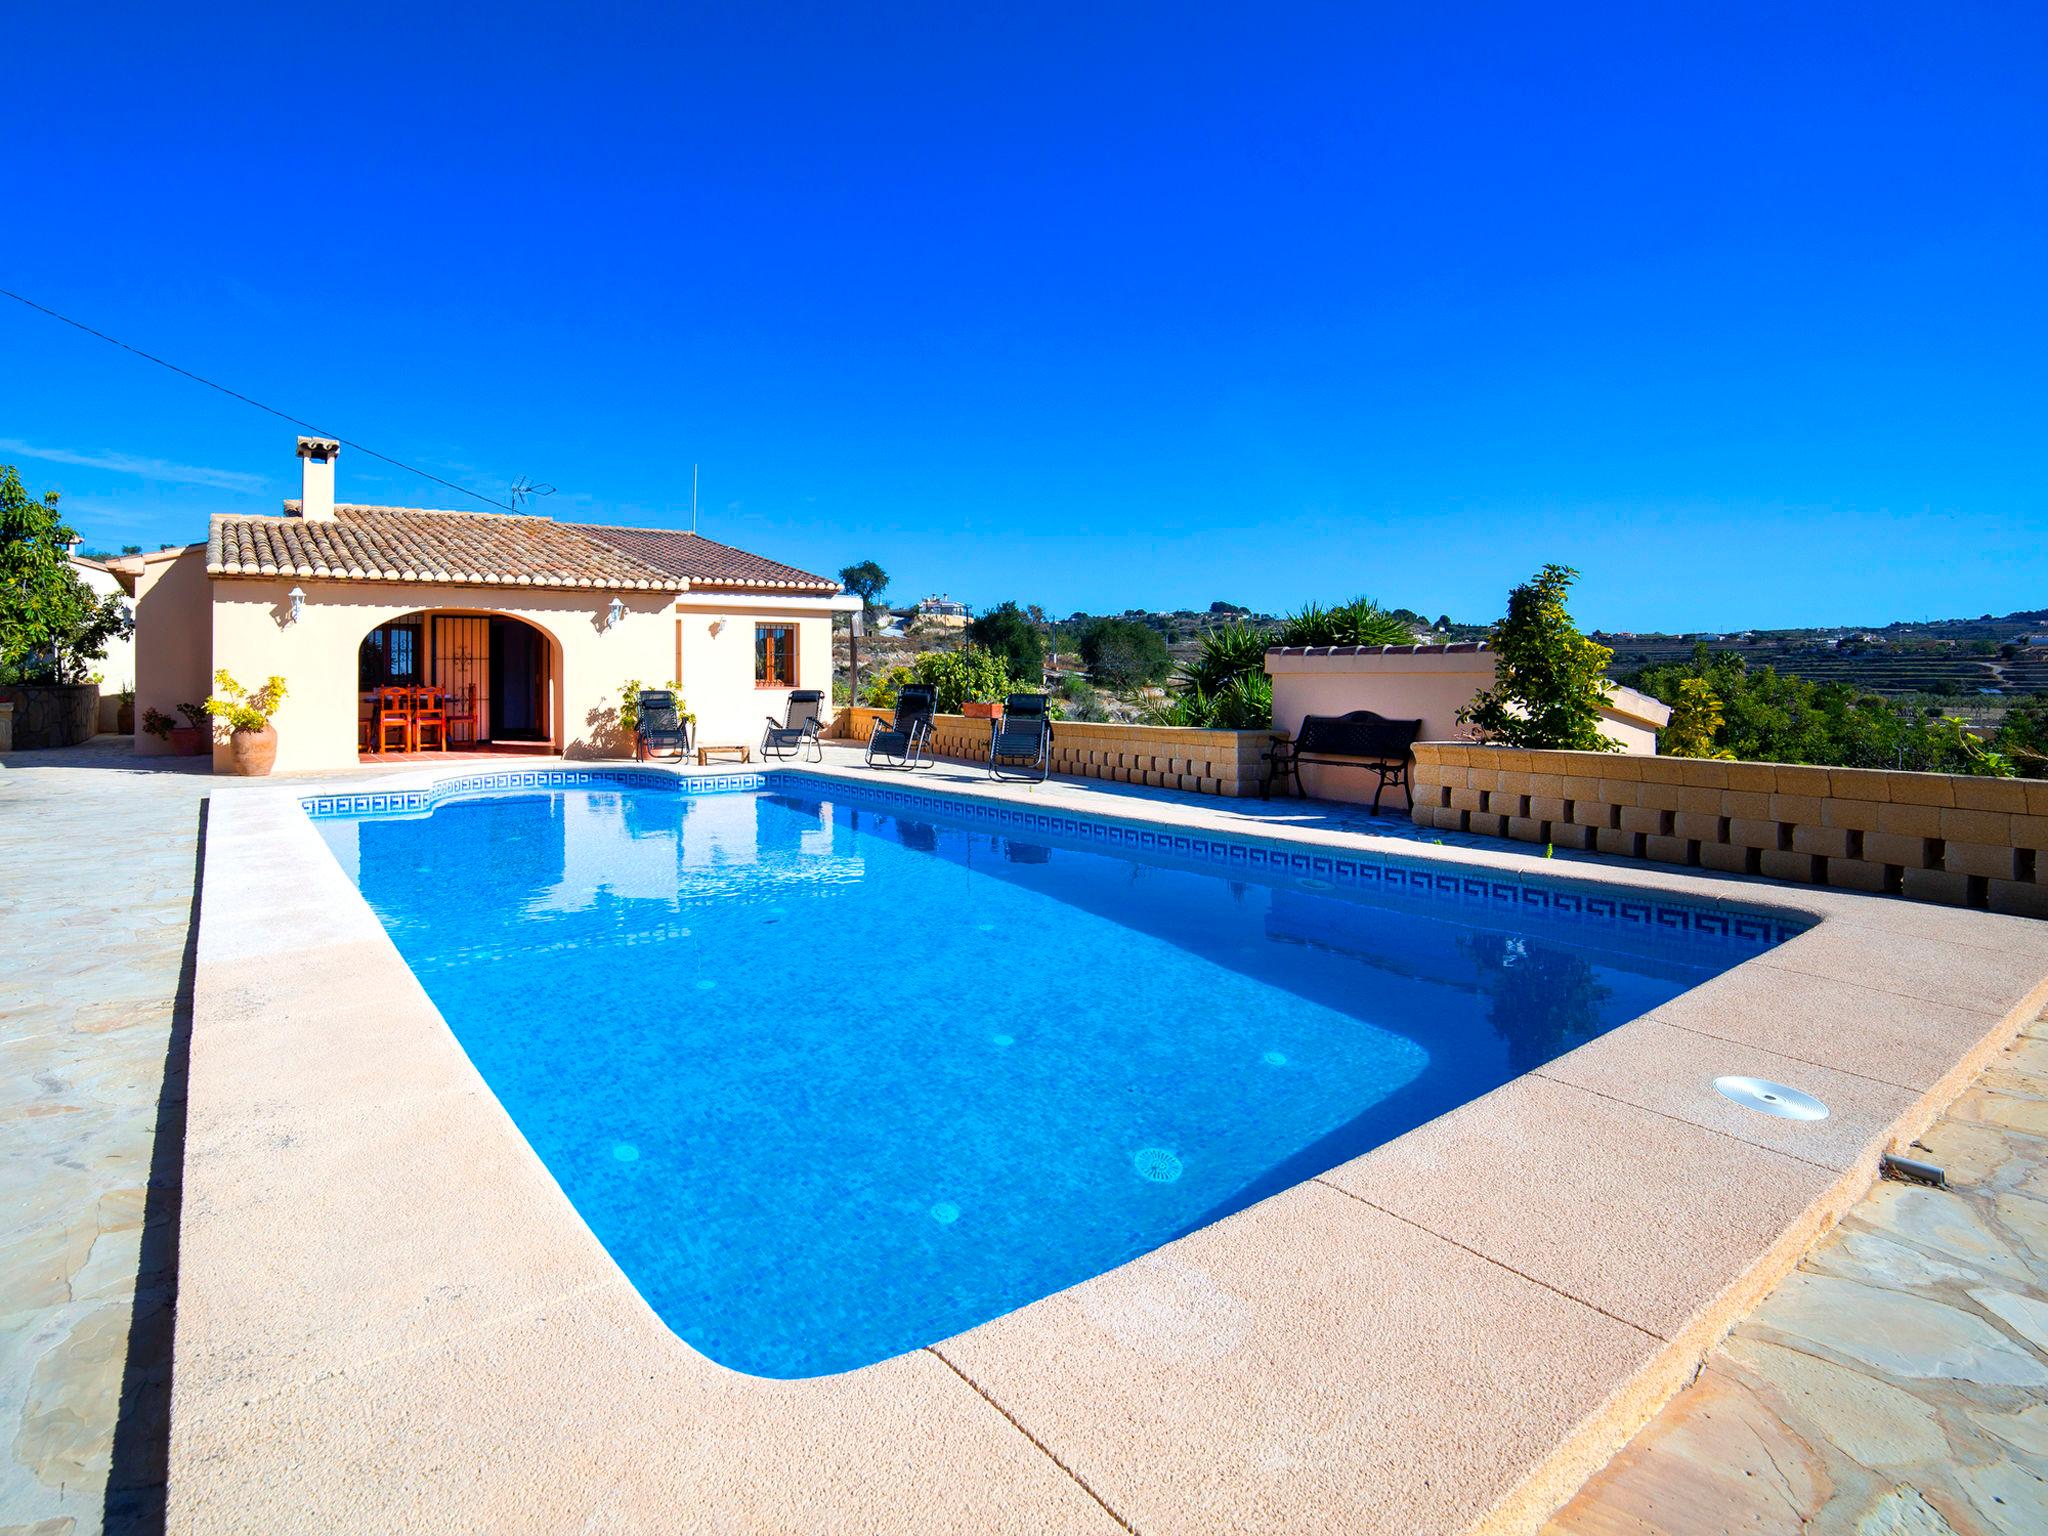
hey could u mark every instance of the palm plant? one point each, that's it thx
(1228, 651)
(1358, 622)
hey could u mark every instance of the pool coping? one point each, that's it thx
(390, 1314)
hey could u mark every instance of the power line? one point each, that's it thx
(246, 400)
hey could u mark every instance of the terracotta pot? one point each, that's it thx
(982, 709)
(254, 751)
(124, 719)
(187, 740)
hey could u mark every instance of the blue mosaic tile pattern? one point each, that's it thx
(413, 802)
(1267, 858)
(1254, 856)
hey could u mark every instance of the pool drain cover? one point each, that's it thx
(1769, 1098)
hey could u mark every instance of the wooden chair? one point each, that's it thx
(394, 713)
(429, 713)
(366, 720)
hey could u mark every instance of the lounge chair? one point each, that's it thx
(661, 729)
(901, 742)
(788, 736)
(1023, 736)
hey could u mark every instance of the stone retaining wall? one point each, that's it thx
(1950, 838)
(1169, 757)
(52, 714)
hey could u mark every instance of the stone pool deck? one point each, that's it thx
(391, 1319)
(1897, 1382)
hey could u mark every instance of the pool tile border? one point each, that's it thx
(1554, 895)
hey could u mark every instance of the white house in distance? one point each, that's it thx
(532, 627)
(116, 670)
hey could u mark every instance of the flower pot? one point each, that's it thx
(254, 751)
(982, 709)
(124, 719)
(187, 740)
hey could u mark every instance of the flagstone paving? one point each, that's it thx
(1896, 1384)
(98, 851)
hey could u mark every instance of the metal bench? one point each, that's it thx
(1360, 739)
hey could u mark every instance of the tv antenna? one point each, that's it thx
(525, 489)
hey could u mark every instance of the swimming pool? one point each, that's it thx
(836, 1072)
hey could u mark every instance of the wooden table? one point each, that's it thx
(705, 755)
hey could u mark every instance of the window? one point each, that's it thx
(389, 654)
(774, 655)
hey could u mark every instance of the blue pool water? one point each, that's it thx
(833, 1078)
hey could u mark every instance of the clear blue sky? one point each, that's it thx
(1742, 310)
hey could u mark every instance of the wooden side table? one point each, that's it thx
(707, 755)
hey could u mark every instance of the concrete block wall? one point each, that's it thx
(1226, 763)
(1948, 838)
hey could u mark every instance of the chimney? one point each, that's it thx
(316, 478)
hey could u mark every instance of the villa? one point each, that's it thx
(530, 627)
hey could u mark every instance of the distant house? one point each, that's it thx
(942, 613)
(530, 627)
(117, 670)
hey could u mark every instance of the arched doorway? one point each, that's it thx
(496, 675)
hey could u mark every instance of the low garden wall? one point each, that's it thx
(1169, 757)
(52, 715)
(1949, 838)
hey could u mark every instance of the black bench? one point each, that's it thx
(1360, 739)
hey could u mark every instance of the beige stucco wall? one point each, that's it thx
(173, 638)
(316, 728)
(717, 637)
(1430, 686)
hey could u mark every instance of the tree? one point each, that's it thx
(958, 676)
(1550, 681)
(1696, 720)
(1009, 632)
(867, 581)
(51, 623)
(1121, 653)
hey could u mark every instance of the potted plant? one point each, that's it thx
(124, 713)
(246, 713)
(189, 739)
(158, 724)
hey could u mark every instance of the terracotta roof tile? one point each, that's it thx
(703, 563)
(420, 544)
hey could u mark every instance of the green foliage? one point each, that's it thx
(1696, 720)
(1549, 680)
(243, 709)
(629, 702)
(1009, 632)
(1766, 716)
(867, 581)
(1358, 622)
(1120, 653)
(1081, 700)
(955, 677)
(1243, 703)
(2025, 728)
(1226, 653)
(880, 691)
(51, 623)
(158, 724)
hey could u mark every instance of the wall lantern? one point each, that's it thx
(618, 611)
(298, 598)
